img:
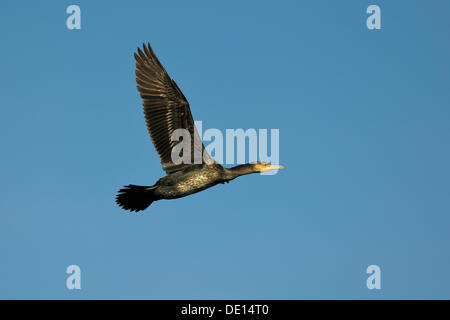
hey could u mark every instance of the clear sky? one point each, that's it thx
(364, 136)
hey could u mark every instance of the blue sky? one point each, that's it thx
(364, 135)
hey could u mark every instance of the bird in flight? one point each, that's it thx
(166, 110)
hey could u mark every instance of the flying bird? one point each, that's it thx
(166, 109)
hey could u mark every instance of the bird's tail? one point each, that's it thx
(135, 198)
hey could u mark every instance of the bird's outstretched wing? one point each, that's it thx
(165, 108)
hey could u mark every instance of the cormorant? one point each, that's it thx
(166, 109)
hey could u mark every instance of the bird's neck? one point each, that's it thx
(239, 170)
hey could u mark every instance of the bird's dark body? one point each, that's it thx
(188, 181)
(166, 109)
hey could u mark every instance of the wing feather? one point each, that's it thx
(165, 108)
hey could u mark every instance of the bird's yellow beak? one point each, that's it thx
(269, 167)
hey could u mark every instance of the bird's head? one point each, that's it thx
(248, 168)
(264, 166)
